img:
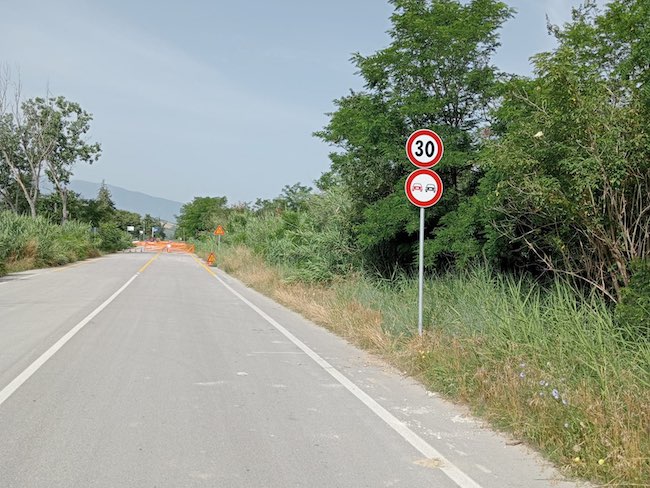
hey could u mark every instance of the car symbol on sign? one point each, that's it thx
(430, 187)
(416, 186)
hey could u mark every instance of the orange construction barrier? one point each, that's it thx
(165, 246)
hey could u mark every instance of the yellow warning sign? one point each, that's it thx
(219, 231)
(211, 259)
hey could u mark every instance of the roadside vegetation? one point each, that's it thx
(42, 139)
(537, 257)
(28, 242)
(544, 364)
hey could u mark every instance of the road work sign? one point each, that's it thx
(219, 231)
(211, 259)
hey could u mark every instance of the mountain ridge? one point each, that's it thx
(131, 200)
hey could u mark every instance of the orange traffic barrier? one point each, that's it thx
(165, 246)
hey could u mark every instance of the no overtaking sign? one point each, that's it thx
(423, 188)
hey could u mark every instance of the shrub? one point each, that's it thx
(633, 311)
(38, 242)
(113, 239)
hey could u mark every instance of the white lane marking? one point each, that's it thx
(453, 472)
(8, 390)
(274, 352)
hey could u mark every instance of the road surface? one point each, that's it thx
(143, 370)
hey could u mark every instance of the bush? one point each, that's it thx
(633, 311)
(112, 239)
(313, 243)
(37, 242)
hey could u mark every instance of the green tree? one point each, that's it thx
(201, 215)
(153, 227)
(572, 161)
(69, 125)
(26, 142)
(293, 197)
(104, 208)
(124, 219)
(436, 73)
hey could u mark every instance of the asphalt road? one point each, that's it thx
(125, 371)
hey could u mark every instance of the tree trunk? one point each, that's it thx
(64, 205)
(32, 207)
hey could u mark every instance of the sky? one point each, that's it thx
(215, 98)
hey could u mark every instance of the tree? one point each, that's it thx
(69, 125)
(293, 197)
(26, 142)
(149, 223)
(40, 135)
(102, 208)
(124, 219)
(573, 152)
(201, 215)
(437, 74)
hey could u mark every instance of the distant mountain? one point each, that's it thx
(133, 201)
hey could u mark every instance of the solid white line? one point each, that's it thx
(453, 472)
(8, 390)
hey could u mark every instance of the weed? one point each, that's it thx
(547, 365)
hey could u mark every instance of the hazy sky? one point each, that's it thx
(211, 98)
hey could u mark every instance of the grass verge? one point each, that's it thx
(27, 243)
(544, 365)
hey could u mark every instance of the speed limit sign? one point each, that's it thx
(424, 148)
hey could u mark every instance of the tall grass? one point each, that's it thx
(546, 364)
(312, 244)
(27, 242)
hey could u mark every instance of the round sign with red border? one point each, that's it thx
(423, 188)
(424, 148)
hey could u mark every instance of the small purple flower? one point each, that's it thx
(556, 394)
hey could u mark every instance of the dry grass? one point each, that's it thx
(24, 264)
(321, 304)
(592, 426)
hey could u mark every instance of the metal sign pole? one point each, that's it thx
(421, 281)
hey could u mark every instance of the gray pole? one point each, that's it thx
(421, 281)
